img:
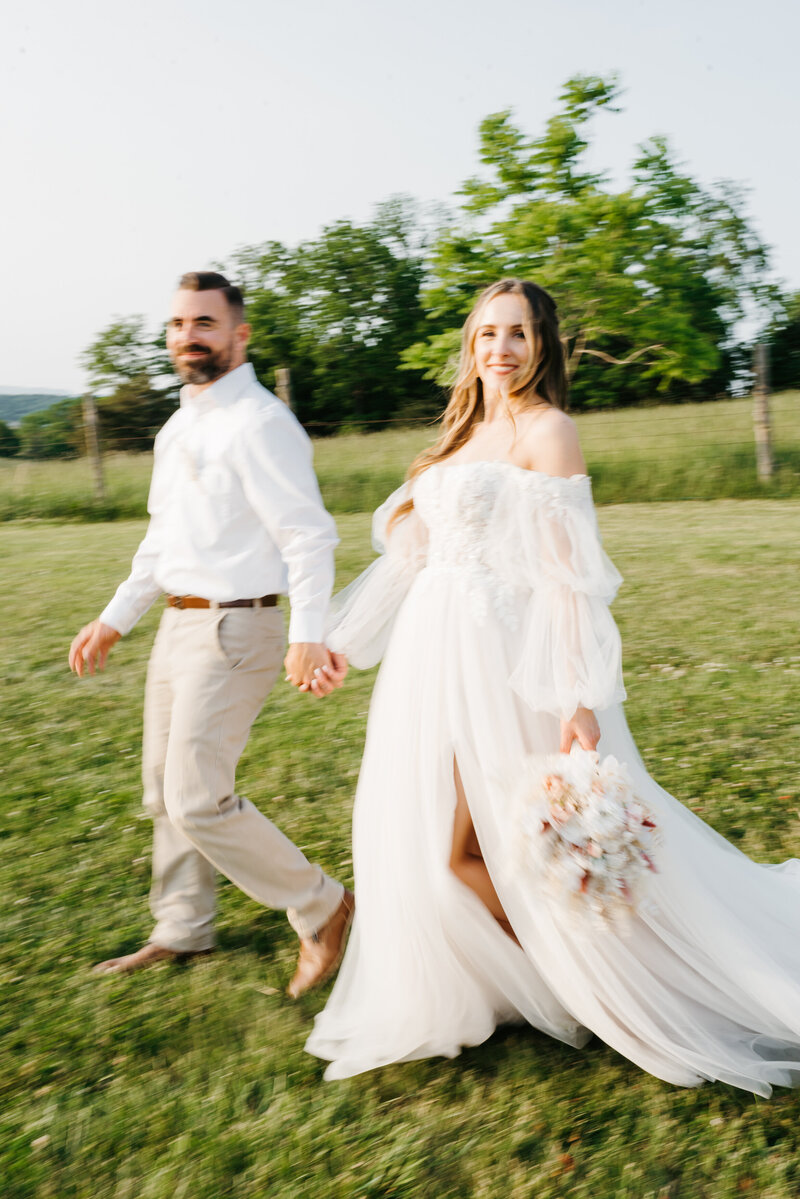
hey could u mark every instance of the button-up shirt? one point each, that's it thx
(235, 509)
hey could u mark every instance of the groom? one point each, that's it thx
(236, 518)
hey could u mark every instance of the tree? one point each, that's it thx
(124, 364)
(134, 412)
(9, 441)
(56, 432)
(339, 311)
(124, 351)
(784, 337)
(649, 281)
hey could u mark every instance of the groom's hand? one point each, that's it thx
(310, 666)
(91, 647)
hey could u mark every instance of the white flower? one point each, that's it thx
(583, 832)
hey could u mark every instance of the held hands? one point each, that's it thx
(581, 727)
(311, 666)
(90, 648)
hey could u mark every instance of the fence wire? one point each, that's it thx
(686, 451)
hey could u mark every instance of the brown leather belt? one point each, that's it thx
(196, 601)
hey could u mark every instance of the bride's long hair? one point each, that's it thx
(540, 380)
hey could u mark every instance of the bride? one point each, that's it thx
(489, 606)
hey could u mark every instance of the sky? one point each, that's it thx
(141, 140)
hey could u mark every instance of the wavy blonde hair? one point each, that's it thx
(541, 379)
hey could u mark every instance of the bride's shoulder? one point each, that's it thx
(550, 444)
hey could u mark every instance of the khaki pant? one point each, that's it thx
(209, 674)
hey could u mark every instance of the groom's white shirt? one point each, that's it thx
(235, 510)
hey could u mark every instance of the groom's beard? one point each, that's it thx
(203, 370)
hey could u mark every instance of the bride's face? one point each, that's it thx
(500, 347)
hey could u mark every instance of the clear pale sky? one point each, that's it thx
(143, 139)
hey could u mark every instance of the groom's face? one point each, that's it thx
(203, 338)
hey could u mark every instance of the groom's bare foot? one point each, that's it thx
(148, 955)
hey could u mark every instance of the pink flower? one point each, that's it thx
(554, 786)
(561, 813)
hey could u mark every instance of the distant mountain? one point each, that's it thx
(18, 402)
(33, 391)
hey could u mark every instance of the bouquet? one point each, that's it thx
(585, 833)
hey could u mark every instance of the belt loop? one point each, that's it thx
(213, 603)
(257, 603)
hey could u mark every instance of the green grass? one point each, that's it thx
(688, 452)
(193, 1082)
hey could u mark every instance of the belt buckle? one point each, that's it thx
(177, 601)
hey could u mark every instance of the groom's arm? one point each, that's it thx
(276, 465)
(91, 646)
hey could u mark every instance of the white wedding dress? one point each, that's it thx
(489, 607)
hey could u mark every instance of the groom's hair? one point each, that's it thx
(212, 281)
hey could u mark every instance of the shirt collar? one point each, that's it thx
(223, 391)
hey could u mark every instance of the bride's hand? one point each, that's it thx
(329, 677)
(583, 728)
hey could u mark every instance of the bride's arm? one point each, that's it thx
(361, 616)
(552, 447)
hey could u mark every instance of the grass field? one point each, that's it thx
(688, 452)
(192, 1083)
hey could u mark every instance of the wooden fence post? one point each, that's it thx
(761, 413)
(90, 425)
(283, 386)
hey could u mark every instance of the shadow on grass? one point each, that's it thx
(263, 937)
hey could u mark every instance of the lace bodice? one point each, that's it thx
(471, 511)
(457, 504)
(523, 549)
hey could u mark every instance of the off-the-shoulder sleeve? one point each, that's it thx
(361, 616)
(571, 654)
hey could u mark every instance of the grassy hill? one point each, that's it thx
(14, 406)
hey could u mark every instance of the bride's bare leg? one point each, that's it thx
(466, 860)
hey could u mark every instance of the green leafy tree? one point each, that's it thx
(339, 311)
(784, 338)
(123, 351)
(55, 432)
(125, 365)
(277, 339)
(649, 281)
(9, 441)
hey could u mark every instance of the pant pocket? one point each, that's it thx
(231, 647)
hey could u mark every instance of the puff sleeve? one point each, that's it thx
(361, 616)
(571, 654)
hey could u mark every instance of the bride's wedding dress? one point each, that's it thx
(489, 606)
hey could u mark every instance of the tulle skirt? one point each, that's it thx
(703, 983)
